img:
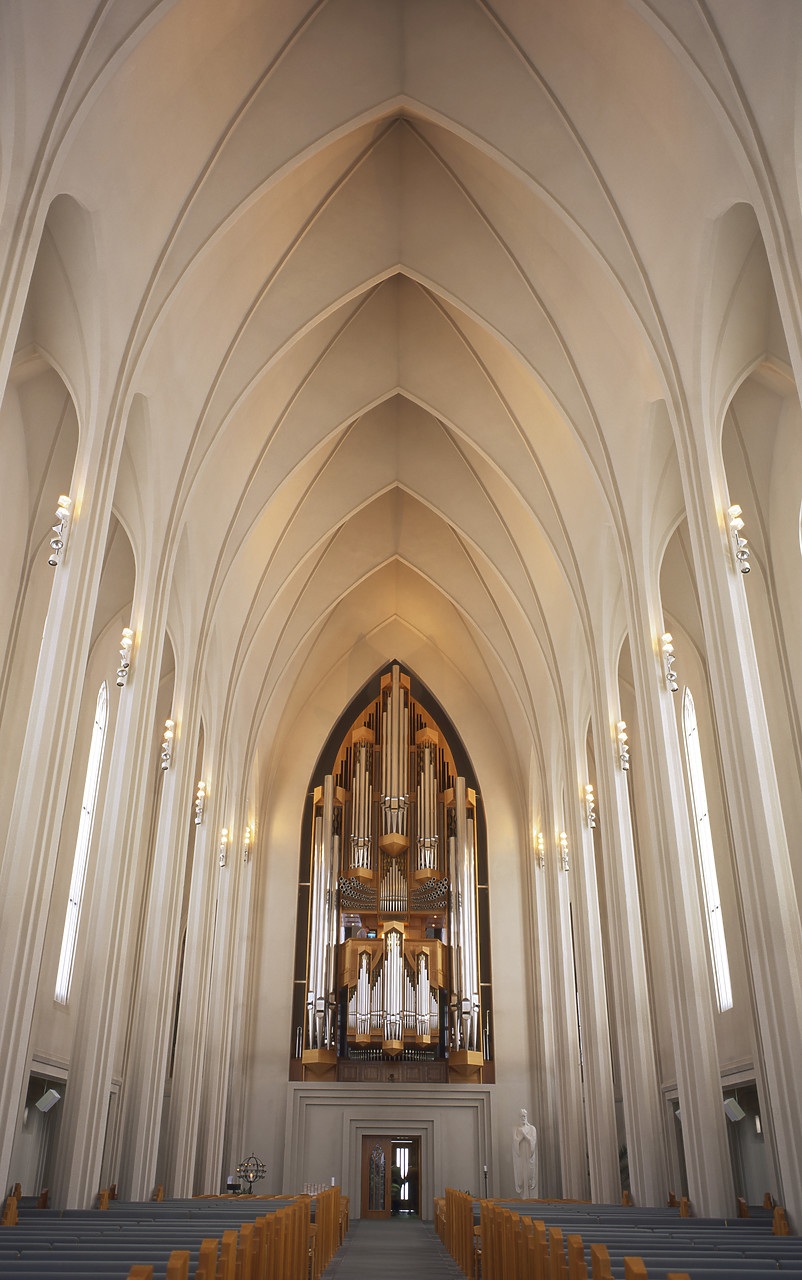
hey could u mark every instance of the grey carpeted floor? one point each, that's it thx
(392, 1249)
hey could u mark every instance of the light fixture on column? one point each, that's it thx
(167, 744)
(126, 644)
(540, 850)
(60, 530)
(564, 850)
(200, 802)
(590, 806)
(223, 855)
(623, 749)
(246, 844)
(668, 662)
(740, 549)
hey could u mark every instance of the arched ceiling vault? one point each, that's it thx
(397, 330)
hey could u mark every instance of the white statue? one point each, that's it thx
(524, 1158)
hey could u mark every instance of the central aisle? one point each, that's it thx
(394, 1249)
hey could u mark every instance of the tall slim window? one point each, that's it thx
(707, 862)
(68, 941)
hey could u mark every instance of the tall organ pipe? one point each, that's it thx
(464, 953)
(322, 934)
(361, 803)
(395, 758)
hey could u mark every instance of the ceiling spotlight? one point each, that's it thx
(590, 806)
(623, 749)
(126, 644)
(740, 549)
(564, 850)
(200, 802)
(60, 530)
(167, 744)
(668, 662)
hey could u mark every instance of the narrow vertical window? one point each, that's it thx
(707, 862)
(68, 941)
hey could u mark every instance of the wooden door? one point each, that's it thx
(377, 1155)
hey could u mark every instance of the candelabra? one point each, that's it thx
(167, 744)
(623, 749)
(540, 850)
(246, 844)
(126, 644)
(60, 530)
(223, 855)
(740, 549)
(668, 662)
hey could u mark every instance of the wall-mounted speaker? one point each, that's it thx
(733, 1109)
(48, 1100)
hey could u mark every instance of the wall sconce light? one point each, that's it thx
(540, 850)
(223, 856)
(623, 749)
(590, 806)
(167, 744)
(246, 844)
(668, 662)
(740, 549)
(200, 802)
(564, 850)
(126, 644)
(60, 530)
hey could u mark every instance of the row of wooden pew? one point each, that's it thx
(570, 1240)
(208, 1238)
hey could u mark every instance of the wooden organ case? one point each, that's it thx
(394, 988)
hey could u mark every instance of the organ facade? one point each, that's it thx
(396, 981)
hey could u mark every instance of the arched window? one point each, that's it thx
(707, 862)
(68, 941)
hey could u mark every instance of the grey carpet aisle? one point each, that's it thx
(392, 1250)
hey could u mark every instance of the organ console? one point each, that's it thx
(393, 956)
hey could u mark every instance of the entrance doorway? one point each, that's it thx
(390, 1176)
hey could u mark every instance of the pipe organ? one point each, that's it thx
(393, 953)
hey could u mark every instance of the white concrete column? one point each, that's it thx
(544, 1101)
(113, 913)
(222, 998)
(628, 982)
(685, 953)
(571, 1119)
(193, 1013)
(768, 900)
(155, 983)
(32, 839)
(597, 1066)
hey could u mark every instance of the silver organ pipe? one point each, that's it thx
(376, 1002)
(427, 811)
(422, 997)
(393, 896)
(465, 959)
(361, 807)
(321, 997)
(395, 758)
(409, 1001)
(393, 986)
(362, 996)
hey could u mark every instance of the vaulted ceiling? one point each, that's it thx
(386, 297)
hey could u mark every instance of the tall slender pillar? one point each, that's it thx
(571, 1118)
(629, 988)
(686, 960)
(155, 983)
(768, 899)
(32, 839)
(597, 1066)
(113, 914)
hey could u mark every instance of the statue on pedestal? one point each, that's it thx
(524, 1158)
